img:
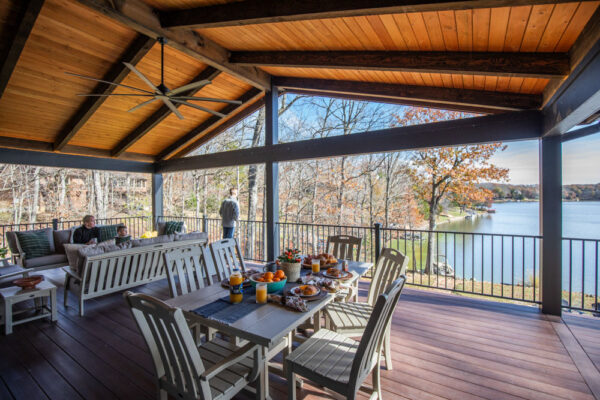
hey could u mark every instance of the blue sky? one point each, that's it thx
(581, 161)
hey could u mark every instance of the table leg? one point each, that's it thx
(7, 317)
(264, 376)
(317, 321)
(53, 309)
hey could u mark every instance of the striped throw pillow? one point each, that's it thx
(106, 232)
(173, 227)
(34, 244)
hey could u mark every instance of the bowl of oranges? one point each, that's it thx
(275, 280)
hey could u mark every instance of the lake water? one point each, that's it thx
(515, 259)
(580, 220)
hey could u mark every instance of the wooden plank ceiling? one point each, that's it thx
(40, 100)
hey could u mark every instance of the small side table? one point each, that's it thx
(13, 294)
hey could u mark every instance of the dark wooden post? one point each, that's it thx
(377, 241)
(551, 224)
(157, 198)
(204, 223)
(55, 224)
(272, 174)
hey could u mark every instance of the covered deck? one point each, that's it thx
(444, 347)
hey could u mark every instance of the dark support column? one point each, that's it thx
(551, 224)
(157, 197)
(272, 174)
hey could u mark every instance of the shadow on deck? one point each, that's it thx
(445, 347)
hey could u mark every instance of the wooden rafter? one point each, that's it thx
(28, 18)
(404, 102)
(38, 145)
(209, 73)
(534, 65)
(268, 11)
(211, 121)
(437, 95)
(142, 18)
(134, 53)
(211, 133)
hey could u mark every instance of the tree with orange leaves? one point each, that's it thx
(450, 171)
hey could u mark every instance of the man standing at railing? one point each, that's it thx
(230, 213)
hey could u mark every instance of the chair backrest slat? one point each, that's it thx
(390, 266)
(374, 335)
(186, 267)
(177, 362)
(344, 247)
(226, 255)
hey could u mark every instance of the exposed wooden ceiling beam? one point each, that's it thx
(404, 102)
(211, 121)
(37, 145)
(211, 133)
(56, 160)
(437, 95)
(267, 11)
(117, 73)
(31, 11)
(209, 73)
(142, 18)
(533, 65)
(521, 125)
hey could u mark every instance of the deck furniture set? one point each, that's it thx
(204, 366)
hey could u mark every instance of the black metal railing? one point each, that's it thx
(580, 274)
(488, 264)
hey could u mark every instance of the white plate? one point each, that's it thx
(298, 292)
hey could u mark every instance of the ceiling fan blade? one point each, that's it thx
(200, 108)
(206, 99)
(110, 83)
(142, 77)
(114, 94)
(141, 105)
(168, 103)
(189, 86)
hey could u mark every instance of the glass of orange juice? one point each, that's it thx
(316, 265)
(261, 292)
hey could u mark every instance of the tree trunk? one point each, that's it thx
(431, 235)
(35, 198)
(62, 188)
(341, 190)
(98, 195)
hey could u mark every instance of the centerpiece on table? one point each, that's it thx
(149, 235)
(289, 262)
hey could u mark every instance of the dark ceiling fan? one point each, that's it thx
(161, 92)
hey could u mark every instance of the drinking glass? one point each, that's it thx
(316, 265)
(261, 293)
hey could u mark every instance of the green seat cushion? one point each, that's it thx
(107, 232)
(173, 227)
(34, 243)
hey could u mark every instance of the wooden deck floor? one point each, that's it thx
(445, 347)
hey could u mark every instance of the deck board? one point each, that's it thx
(443, 346)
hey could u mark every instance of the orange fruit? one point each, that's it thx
(268, 275)
(279, 274)
(260, 280)
(269, 280)
(276, 279)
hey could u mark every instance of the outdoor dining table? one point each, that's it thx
(267, 325)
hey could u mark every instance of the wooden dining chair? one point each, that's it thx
(351, 319)
(226, 255)
(186, 272)
(342, 364)
(216, 370)
(344, 247)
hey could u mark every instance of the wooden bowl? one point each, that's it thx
(28, 283)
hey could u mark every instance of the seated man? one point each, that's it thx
(86, 233)
(122, 235)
